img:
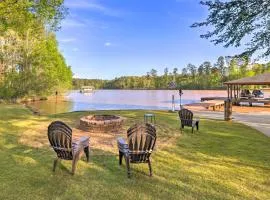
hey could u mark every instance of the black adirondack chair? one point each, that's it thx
(141, 142)
(60, 137)
(186, 118)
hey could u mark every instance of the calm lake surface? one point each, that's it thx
(122, 100)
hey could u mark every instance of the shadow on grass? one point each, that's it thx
(225, 140)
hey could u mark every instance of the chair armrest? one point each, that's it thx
(122, 145)
(84, 140)
(196, 119)
(80, 144)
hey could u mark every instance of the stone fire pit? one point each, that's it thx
(102, 123)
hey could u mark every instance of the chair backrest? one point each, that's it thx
(141, 142)
(60, 137)
(186, 117)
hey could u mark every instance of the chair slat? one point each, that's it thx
(141, 141)
(60, 137)
(186, 117)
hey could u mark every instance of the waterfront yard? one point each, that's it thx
(224, 160)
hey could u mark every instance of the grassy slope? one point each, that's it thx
(222, 161)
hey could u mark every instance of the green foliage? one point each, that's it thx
(20, 15)
(235, 20)
(206, 76)
(30, 61)
(96, 83)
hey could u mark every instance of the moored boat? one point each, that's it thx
(87, 89)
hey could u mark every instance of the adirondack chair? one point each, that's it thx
(60, 138)
(186, 118)
(141, 142)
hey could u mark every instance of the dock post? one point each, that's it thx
(228, 110)
(180, 94)
(173, 104)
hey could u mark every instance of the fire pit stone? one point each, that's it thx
(102, 123)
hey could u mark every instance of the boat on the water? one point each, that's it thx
(87, 89)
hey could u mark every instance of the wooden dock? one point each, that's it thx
(213, 98)
(211, 104)
(215, 103)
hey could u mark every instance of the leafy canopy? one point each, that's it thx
(30, 61)
(15, 13)
(235, 21)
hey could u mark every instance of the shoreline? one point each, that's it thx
(195, 108)
(199, 106)
(235, 109)
(223, 89)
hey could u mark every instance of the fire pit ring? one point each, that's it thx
(102, 123)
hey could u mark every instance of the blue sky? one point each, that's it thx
(112, 38)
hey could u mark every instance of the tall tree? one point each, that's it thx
(232, 20)
(188, 79)
(175, 70)
(166, 71)
(184, 72)
(17, 14)
(201, 70)
(221, 67)
(175, 73)
(30, 60)
(192, 69)
(244, 66)
(153, 72)
(207, 67)
(233, 69)
(165, 81)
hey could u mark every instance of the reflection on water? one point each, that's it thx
(52, 107)
(123, 99)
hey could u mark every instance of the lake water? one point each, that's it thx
(123, 99)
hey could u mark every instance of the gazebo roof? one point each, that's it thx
(262, 79)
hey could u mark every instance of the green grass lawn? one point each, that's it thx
(223, 160)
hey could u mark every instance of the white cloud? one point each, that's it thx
(72, 23)
(75, 49)
(67, 40)
(107, 44)
(92, 5)
(82, 4)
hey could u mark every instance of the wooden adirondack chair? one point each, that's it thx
(60, 137)
(186, 118)
(141, 142)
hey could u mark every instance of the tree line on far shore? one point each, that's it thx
(30, 61)
(205, 76)
(32, 65)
